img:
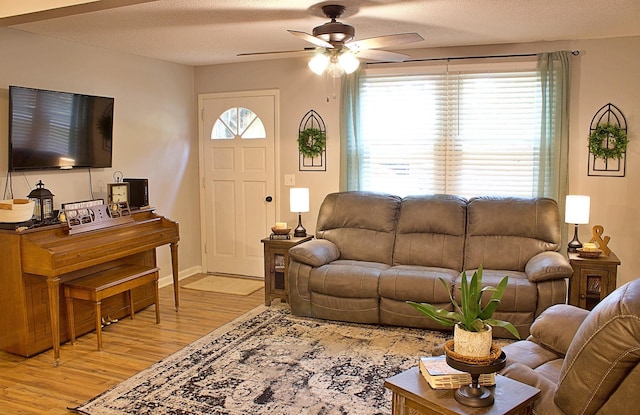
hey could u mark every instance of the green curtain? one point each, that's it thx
(350, 145)
(553, 174)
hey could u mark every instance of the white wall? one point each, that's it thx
(606, 71)
(154, 133)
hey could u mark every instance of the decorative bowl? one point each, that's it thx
(449, 350)
(280, 231)
(589, 254)
(16, 210)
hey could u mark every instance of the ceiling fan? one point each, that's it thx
(337, 53)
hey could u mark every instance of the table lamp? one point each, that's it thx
(299, 202)
(576, 212)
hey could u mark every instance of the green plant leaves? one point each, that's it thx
(470, 314)
(608, 141)
(311, 142)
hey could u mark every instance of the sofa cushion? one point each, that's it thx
(505, 233)
(604, 351)
(431, 231)
(415, 283)
(361, 224)
(347, 278)
(529, 353)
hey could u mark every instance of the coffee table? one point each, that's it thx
(412, 395)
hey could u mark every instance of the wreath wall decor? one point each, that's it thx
(608, 141)
(311, 142)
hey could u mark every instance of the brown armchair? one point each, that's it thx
(583, 362)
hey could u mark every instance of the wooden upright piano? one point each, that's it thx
(35, 262)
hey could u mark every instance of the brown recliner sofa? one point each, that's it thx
(373, 252)
(583, 362)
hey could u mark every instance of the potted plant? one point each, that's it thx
(471, 321)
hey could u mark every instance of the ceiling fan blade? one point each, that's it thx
(382, 55)
(311, 39)
(384, 41)
(282, 52)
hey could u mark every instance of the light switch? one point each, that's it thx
(289, 179)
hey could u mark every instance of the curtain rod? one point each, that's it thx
(514, 55)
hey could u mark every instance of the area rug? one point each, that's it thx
(269, 362)
(226, 285)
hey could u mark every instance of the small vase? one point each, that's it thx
(471, 343)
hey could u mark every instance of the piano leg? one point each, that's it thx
(174, 268)
(54, 316)
(98, 311)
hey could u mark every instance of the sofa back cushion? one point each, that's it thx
(431, 231)
(604, 355)
(504, 233)
(361, 224)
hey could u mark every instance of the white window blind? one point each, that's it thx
(465, 133)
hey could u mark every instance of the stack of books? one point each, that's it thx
(440, 375)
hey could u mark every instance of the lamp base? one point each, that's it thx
(575, 242)
(300, 231)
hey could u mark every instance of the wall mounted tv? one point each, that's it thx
(58, 130)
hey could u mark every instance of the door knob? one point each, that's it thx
(268, 198)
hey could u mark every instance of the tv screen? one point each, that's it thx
(58, 130)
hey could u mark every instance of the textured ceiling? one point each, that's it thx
(201, 32)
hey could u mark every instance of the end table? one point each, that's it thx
(592, 279)
(276, 262)
(412, 395)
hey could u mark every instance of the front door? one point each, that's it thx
(238, 134)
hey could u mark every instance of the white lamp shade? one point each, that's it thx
(349, 62)
(299, 199)
(577, 209)
(319, 63)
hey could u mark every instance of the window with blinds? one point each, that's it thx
(464, 133)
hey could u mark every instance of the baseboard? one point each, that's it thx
(168, 279)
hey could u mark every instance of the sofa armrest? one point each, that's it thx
(524, 374)
(556, 327)
(548, 265)
(315, 252)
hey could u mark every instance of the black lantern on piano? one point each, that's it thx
(43, 199)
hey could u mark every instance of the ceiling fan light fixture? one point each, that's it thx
(349, 62)
(319, 63)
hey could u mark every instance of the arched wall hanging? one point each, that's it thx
(608, 143)
(312, 143)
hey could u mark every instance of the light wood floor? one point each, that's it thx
(34, 386)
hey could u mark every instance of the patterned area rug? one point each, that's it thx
(269, 362)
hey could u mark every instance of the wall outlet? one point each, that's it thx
(289, 179)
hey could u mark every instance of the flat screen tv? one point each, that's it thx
(58, 130)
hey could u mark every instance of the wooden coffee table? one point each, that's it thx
(412, 395)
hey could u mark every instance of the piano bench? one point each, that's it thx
(104, 284)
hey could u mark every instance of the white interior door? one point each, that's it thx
(238, 139)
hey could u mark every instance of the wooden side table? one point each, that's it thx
(276, 262)
(592, 280)
(412, 395)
